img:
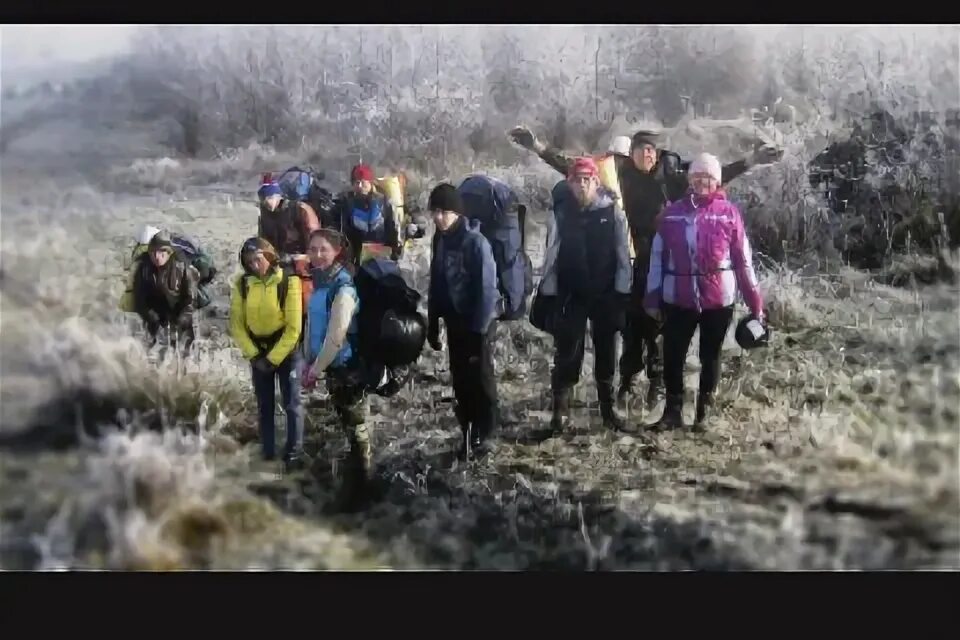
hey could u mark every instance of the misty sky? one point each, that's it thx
(29, 45)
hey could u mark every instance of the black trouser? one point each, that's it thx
(640, 350)
(471, 370)
(569, 339)
(678, 330)
(640, 336)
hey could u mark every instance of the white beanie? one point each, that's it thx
(146, 234)
(620, 145)
(706, 163)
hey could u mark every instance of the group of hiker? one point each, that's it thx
(638, 243)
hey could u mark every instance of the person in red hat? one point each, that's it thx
(587, 276)
(650, 177)
(366, 217)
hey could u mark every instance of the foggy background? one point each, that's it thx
(136, 109)
(835, 448)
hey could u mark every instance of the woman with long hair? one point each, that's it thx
(266, 322)
(331, 343)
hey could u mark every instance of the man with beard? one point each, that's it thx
(587, 270)
(649, 178)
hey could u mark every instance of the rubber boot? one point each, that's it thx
(561, 409)
(356, 484)
(705, 402)
(608, 411)
(472, 445)
(672, 417)
(626, 384)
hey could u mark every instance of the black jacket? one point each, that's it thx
(170, 291)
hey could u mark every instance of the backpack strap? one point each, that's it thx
(281, 288)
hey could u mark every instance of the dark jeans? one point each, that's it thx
(678, 330)
(569, 340)
(640, 336)
(288, 373)
(639, 339)
(471, 370)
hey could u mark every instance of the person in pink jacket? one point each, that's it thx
(699, 260)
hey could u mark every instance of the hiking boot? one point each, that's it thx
(611, 419)
(561, 408)
(296, 461)
(361, 453)
(705, 403)
(473, 447)
(672, 417)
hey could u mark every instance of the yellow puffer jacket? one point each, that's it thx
(260, 315)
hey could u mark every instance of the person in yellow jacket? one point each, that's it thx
(266, 320)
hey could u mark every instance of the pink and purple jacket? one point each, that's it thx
(701, 256)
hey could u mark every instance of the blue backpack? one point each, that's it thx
(495, 205)
(304, 185)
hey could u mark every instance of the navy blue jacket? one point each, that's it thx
(463, 277)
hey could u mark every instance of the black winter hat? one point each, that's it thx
(445, 198)
(644, 137)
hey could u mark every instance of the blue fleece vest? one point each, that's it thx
(318, 316)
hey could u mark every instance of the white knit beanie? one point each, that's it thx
(706, 163)
(620, 146)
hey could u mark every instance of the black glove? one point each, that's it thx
(263, 365)
(152, 317)
(433, 335)
(523, 137)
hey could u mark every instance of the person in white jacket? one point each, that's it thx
(331, 343)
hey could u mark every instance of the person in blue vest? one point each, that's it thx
(366, 217)
(464, 294)
(331, 344)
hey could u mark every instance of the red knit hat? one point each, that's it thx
(361, 172)
(583, 166)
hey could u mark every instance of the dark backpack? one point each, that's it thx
(390, 329)
(303, 185)
(501, 216)
(193, 253)
(671, 176)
